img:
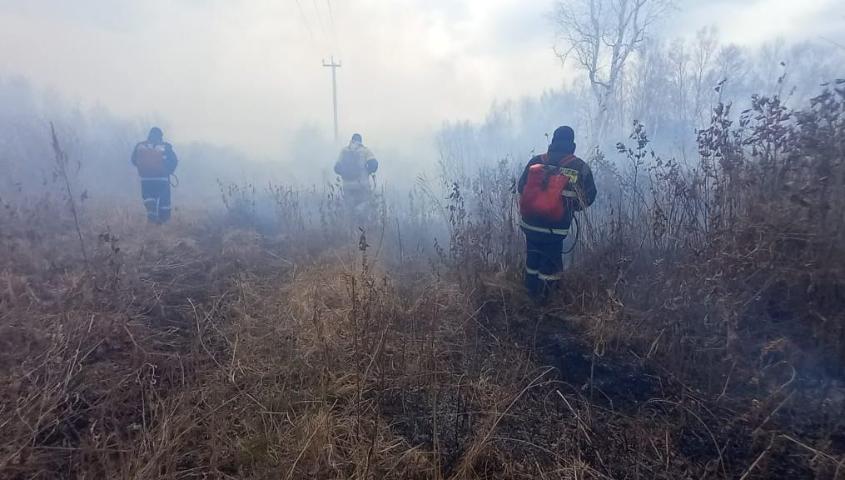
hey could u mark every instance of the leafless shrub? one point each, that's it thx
(698, 333)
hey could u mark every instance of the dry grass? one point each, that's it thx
(700, 333)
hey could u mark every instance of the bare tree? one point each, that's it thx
(601, 35)
(703, 76)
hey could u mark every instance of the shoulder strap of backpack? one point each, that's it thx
(567, 160)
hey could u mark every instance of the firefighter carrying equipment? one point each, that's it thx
(156, 164)
(543, 197)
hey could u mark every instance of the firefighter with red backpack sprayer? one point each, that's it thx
(156, 162)
(552, 188)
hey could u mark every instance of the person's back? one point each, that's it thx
(355, 165)
(579, 190)
(352, 163)
(156, 162)
(552, 188)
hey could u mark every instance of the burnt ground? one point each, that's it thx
(608, 380)
(620, 417)
(612, 415)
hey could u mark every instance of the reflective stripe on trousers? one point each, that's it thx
(543, 262)
(155, 192)
(542, 276)
(552, 231)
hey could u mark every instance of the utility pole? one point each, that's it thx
(334, 66)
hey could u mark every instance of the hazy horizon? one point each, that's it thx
(248, 74)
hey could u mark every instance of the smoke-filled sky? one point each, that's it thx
(248, 73)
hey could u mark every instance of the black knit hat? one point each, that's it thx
(155, 135)
(563, 140)
(564, 135)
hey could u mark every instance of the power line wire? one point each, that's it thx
(306, 22)
(331, 13)
(320, 19)
(334, 29)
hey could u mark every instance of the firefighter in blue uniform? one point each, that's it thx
(552, 188)
(155, 160)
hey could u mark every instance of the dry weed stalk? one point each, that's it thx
(241, 347)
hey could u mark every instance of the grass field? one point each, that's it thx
(700, 332)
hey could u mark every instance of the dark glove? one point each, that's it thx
(372, 166)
